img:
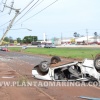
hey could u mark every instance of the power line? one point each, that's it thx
(27, 6)
(5, 23)
(27, 11)
(36, 6)
(3, 15)
(33, 8)
(40, 11)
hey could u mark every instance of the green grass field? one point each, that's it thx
(62, 52)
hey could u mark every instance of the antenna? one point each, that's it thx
(11, 7)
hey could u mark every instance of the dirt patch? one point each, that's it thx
(24, 68)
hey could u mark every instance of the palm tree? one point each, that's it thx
(76, 34)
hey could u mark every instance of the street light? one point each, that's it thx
(21, 28)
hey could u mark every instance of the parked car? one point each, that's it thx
(4, 49)
(24, 47)
(49, 46)
(74, 71)
(41, 45)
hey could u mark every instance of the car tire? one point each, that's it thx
(97, 63)
(55, 59)
(44, 66)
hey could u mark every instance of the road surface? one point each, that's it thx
(18, 66)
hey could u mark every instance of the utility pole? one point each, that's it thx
(87, 35)
(11, 23)
(11, 6)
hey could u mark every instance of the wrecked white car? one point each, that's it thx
(88, 70)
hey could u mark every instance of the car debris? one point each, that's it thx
(87, 70)
(89, 98)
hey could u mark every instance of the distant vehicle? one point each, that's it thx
(24, 47)
(18, 44)
(85, 71)
(3, 48)
(35, 43)
(49, 46)
(41, 45)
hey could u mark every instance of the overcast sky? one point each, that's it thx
(63, 17)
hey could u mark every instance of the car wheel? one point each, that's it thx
(44, 66)
(55, 59)
(97, 63)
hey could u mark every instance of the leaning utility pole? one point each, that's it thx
(11, 23)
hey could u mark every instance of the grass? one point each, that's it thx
(78, 53)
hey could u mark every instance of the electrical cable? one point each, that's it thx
(5, 23)
(36, 6)
(27, 6)
(4, 15)
(27, 11)
(39, 11)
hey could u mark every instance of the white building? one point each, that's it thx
(72, 40)
(88, 40)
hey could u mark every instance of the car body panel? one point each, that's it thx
(88, 68)
(85, 71)
(48, 76)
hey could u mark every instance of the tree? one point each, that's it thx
(95, 36)
(76, 34)
(19, 40)
(35, 38)
(6, 39)
(29, 39)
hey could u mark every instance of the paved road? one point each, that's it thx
(62, 46)
(23, 64)
(32, 59)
